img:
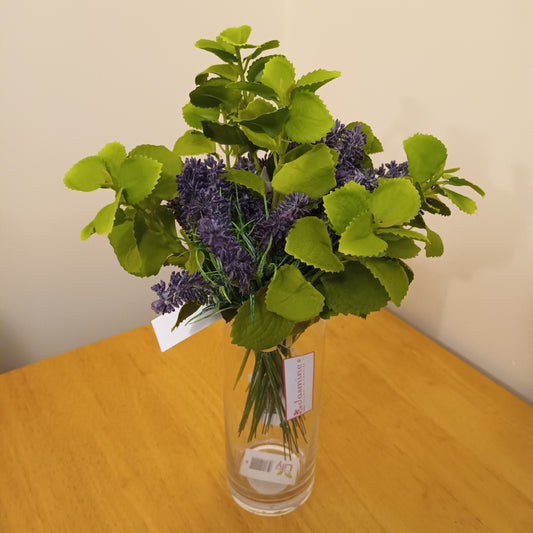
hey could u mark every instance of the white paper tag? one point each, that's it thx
(167, 338)
(269, 467)
(298, 375)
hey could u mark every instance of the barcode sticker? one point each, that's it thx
(298, 375)
(269, 467)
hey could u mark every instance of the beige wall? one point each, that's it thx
(76, 75)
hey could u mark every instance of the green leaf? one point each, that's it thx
(256, 108)
(373, 144)
(265, 46)
(394, 202)
(195, 260)
(224, 133)
(391, 275)
(358, 238)
(188, 309)
(247, 179)
(313, 173)
(309, 241)
(290, 295)
(404, 232)
(278, 74)
(222, 50)
(124, 244)
(114, 155)
(226, 71)
(309, 118)
(401, 247)
(255, 87)
(462, 202)
(215, 93)
(193, 115)
(270, 123)
(435, 246)
(355, 291)
(103, 221)
(261, 139)
(236, 36)
(460, 182)
(88, 174)
(426, 156)
(315, 79)
(266, 329)
(194, 142)
(255, 71)
(434, 205)
(345, 203)
(138, 176)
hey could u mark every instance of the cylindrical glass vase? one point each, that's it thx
(271, 405)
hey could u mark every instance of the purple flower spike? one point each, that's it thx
(182, 287)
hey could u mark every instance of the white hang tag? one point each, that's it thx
(168, 338)
(269, 467)
(298, 376)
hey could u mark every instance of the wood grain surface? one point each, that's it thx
(118, 437)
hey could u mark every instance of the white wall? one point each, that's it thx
(76, 75)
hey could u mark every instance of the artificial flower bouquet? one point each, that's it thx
(269, 211)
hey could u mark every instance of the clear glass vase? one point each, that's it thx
(271, 405)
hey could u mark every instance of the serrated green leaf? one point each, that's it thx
(260, 139)
(255, 71)
(261, 48)
(309, 241)
(222, 50)
(247, 179)
(291, 296)
(278, 74)
(435, 246)
(236, 36)
(373, 144)
(355, 291)
(138, 176)
(186, 310)
(193, 115)
(435, 206)
(400, 247)
(309, 119)
(194, 142)
(215, 93)
(255, 87)
(270, 124)
(358, 238)
(391, 275)
(227, 71)
(266, 329)
(114, 155)
(312, 173)
(426, 156)
(394, 202)
(462, 202)
(345, 203)
(315, 79)
(460, 182)
(122, 239)
(224, 133)
(403, 232)
(103, 221)
(88, 174)
(408, 271)
(256, 108)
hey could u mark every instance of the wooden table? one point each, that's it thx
(118, 437)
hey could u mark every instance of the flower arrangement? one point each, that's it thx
(283, 220)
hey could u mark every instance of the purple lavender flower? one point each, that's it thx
(350, 145)
(237, 264)
(245, 163)
(182, 287)
(202, 191)
(281, 219)
(368, 177)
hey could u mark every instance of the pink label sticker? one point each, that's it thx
(298, 375)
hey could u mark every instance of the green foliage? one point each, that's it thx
(309, 242)
(193, 142)
(394, 202)
(291, 296)
(309, 118)
(247, 179)
(358, 239)
(426, 156)
(345, 203)
(88, 174)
